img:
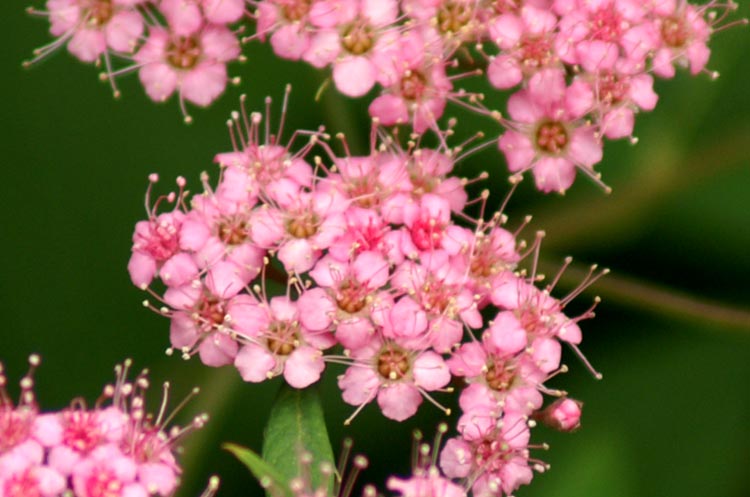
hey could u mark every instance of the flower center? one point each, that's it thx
(358, 38)
(499, 378)
(100, 12)
(393, 362)
(103, 483)
(22, 485)
(183, 52)
(304, 226)
(551, 137)
(426, 234)
(536, 51)
(351, 297)
(452, 16)
(674, 32)
(612, 89)
(606, 24)
(162, 241)
(492, 455)
(233, 230)
(283, 337)
(211, 313)
(295, 10)
(82, 431)
(413, 85)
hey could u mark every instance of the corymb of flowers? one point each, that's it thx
(301, 253)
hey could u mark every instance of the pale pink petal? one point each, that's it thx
(505, 336)
(204, 83)
(297, 255)
(219, 43)
(323, 49)
(87, 44)
(224, 280)
(315, 309)
(123, 30)
(217, 350)
(585, 148)
(157, 476)
(399, 401)
(142, 268)
(430, 371)
(554, 174)
(389, 109)
(290, 42)
(504, 72)
(254, 363)
(518, 149)
(456, 458)
(618, 123)
(178, 270)
(47, 430)
(354, 76)
(183, 331)
(304, 367)
(223, 11)
(379, 12)
(358, 385)
(159, 80)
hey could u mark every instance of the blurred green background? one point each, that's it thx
(672, 337)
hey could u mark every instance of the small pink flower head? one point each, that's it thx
(156, 242)
(683, 33)
(193, 65)
(564, 414)
(497, 463)
(277, 343)
(527, 43)
(398, 376)
(27, 479)
(419, 88)
(92, 28)
(107, 451)
(548, 135)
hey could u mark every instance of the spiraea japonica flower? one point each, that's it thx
(415, 55)
(113, 448)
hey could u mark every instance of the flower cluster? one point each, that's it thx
(582, 68)
(374, 263)
(177, 46)
(115, 448)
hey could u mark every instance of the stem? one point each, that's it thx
(657, 299)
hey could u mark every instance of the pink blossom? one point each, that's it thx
(93, 28)
(549, 137)
(194, 65)
(277, 343)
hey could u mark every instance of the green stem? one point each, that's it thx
(656, 299)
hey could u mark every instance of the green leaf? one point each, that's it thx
(267, 475)
(296, 425)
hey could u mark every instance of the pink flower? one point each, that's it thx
(156, 241)
(114, 450)
(548, 136)
(93, 28)
(397, 376)
(497, 462)
(277, 343)
(193, 65)
(417, 92)
(527, 43)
